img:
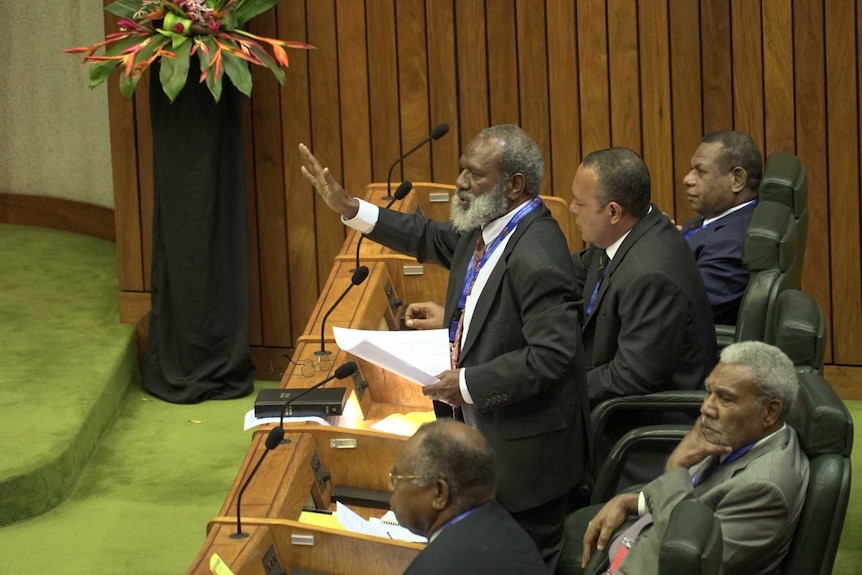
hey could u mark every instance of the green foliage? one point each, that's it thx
(175, 71)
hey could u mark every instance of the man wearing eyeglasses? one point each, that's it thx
(443, 487)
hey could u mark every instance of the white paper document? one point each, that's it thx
(252, 421)
(417, 355)
(386, 527)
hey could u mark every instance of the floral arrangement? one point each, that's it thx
(174, 30)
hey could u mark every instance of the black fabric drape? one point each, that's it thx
(198, 345)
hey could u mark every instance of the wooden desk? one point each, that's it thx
(300, 473)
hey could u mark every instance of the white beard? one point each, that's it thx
(479, 211)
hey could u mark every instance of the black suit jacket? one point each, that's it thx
(718, 251)
(651, 327)
(523, 354)
(485, 542)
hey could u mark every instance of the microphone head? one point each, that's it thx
(439, 131)
(403, 190)
(359, 275)
(345, 370)
(276, 434)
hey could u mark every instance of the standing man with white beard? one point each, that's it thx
(511, 307)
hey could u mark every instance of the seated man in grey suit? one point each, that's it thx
(741, 459)
(722, 188)
(443, 489)
(648, 325)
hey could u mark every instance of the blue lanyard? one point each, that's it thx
(472, 271)
(693, 231)
(727, 461)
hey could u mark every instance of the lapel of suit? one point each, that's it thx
(640, 228)
(457, 271)
(492, 286)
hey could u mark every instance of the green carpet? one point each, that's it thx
(142, 504)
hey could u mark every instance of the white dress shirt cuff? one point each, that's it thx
(462, 383)
(365, 219)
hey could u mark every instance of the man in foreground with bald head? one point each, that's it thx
(443, 487)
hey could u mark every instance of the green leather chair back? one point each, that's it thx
(785, 181)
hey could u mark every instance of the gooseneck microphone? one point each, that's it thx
(342, 371)
(438, 132)
(359, 275)
(275, 436)
(400, 193)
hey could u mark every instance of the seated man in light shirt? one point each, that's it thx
(741, 459)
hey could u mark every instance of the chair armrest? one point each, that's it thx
(692, 542)
(608, 477)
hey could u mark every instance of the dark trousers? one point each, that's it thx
(545, 525)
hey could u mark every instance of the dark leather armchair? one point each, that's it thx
(770, 252)
(785, 181)
(797, 326)
(825, 431)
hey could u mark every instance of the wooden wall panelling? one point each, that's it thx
(504, 83)
(593, 70)
(271, 211)
(533, 77)
(255, 327)
(655, 100)
(564, 151)
(326, 131)
(146, 191)
(383, 87)
(715, 53)
(413, 88)
(624, 75)
(686, 100)
(843, 149)
(778, 93)
(810, 107)
(300, 198)
(472, 51)
(443, 83)
(124, 154)
(747, 58)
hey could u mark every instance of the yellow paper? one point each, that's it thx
(219, 567)
(320, 519)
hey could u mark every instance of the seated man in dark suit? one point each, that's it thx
(722, 188)
(443, 488)
(648, 326)
(741, 459)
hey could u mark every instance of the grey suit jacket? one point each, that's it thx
(757, 499)
(523, 354)
(651, 327)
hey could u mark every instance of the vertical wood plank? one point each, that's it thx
(383, 87)
(255, 323)
(326, 124)
(269, 191)
(443, 83)
(715, 53)
(533, 74)
(810, 84)
(593, 80)
(353, 89)
(779, 97)
(655, 100)
(685, 88)
(748, 69)
(564, 151)
(299, 196)
(503, 47)
(624, 72)
(843, 149)
(146, 187)
(413, 86)
(473, 99)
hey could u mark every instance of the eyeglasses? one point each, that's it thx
(394, 478)
(308, 367)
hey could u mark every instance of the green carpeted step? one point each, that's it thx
(66, 362)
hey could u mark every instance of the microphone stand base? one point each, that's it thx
(238, 535)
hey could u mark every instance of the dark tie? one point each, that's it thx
(456, 343)
(604, 264)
